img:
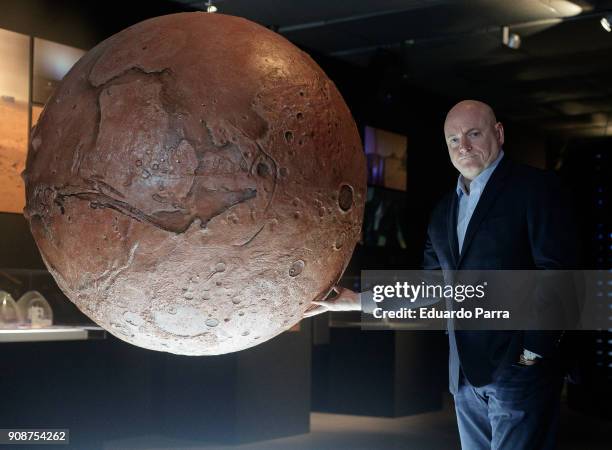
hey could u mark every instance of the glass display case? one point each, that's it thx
(35, 310)
(10, 315)
(41, 312)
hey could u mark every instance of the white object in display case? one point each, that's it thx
(35, 310)
(10, 315)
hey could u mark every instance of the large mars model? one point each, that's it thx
(194, 183)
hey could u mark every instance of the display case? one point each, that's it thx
(34, 309)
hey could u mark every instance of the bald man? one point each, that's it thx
(501, 215)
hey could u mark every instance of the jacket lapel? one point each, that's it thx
(492, 189)
(452, 228)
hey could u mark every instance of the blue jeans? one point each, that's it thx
(518, 410)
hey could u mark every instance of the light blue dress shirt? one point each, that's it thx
(469, 201)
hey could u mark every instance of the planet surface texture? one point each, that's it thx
(194, 183)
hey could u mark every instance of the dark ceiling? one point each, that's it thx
(560, 79)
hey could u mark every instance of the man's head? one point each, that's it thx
(474, 137)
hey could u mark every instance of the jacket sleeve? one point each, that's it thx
(430, 259)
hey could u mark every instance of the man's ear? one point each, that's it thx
(499, 128)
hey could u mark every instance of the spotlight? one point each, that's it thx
(210, 7)
(605, 23)
(511, 40)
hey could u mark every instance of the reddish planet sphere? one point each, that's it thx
(194, 183)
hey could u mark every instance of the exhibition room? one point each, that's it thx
(310, 225)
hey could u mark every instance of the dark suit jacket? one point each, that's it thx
(522, 221)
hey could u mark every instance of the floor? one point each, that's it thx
(420, 432)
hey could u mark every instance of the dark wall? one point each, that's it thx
(17, 247)
(526, 145)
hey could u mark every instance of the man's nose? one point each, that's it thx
(464, 145)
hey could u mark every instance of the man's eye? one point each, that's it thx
(475, 133)
(453, 141)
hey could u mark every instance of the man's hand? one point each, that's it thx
(528, 358)
(345, 300)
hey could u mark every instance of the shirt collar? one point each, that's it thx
(481, 180)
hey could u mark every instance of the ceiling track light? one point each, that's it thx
(605, 23)
(509, 39)
(210, 7)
